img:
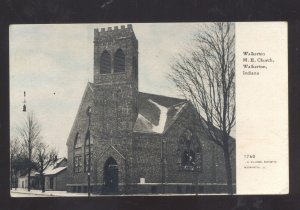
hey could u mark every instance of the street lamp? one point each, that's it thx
(88, 112)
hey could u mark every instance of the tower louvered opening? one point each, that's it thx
(119, 61)
(105, 63)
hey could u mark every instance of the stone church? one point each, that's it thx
(135, 142)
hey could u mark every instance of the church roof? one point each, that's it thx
(156, 112)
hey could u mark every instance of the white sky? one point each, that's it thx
(48, 59)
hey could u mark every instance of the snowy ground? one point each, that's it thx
(37, 193)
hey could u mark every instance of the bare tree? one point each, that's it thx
(44, 158)
(205, 74)
(16, 161)
(29, 135)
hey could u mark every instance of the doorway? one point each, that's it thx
(51, 183)
(110, 176)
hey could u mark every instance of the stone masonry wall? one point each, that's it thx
(80, 126)
(146, 149)
(112, 40)
(212, 171)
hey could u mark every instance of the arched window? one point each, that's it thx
(88, 144)
(188, 159)
(77, 165)
(119, 61)
(105, 63)
(77, 143)
(189, 151)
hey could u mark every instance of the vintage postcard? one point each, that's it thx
(149, 109)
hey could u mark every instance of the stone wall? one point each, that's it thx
(146, 149)
(80, 125)
(212, 167)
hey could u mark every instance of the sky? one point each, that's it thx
(53, 64)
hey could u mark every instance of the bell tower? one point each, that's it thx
(115, 79)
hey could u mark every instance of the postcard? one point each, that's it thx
(150, 109)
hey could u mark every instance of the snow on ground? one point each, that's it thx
(21, 192)
(162, 119)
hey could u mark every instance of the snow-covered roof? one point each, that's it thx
(159, 128)
(59, 160)
(142, 124)
(157, 113)
(52, 168)
(54, 171)
(32, 173)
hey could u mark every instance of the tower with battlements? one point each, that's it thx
(115, 78)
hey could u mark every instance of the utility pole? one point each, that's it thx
(89, 166)
(24, 105)
(162, 165)
(197, 182)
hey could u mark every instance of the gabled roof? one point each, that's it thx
(89, 91)
(54, 168)
(32, 174)
(59, 160)
(157, 113)
(111, 147)
(55, 171)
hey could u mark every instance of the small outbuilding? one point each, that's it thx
(23, 180)
(56, 175)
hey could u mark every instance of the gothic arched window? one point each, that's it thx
(188, 159)
(88, 143)
(189, 151)
(77, 142)
(105, 63)
(77, 164)
(119, 61)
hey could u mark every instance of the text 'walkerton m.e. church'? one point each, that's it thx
(134, 142)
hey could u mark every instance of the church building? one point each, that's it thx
(132, 142)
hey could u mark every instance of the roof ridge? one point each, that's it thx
(163, 96)
(174, 118)
(87, 87)
(186, 101)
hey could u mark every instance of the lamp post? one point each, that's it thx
(88, 112)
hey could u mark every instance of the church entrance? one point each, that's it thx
(110, 176)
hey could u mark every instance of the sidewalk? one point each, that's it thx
(21, 192)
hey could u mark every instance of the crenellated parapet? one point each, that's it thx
(112, 34)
